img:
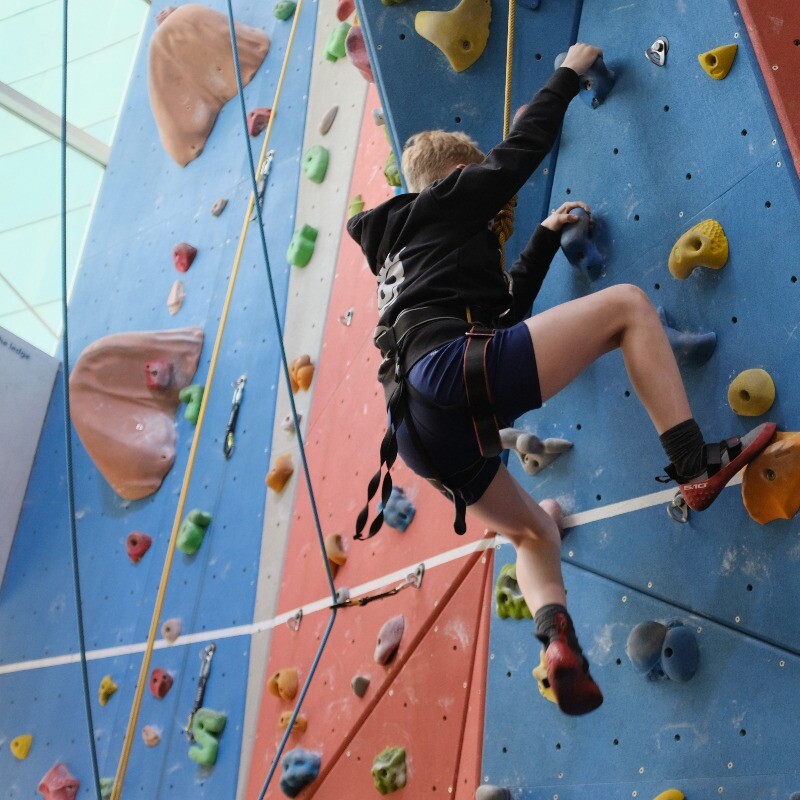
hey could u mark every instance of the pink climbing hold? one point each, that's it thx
(389, 639)
(257, 120)
(136, 545)
(183, 255)
(58, 784)
(160, 683)
(158, 374)
(357, 52)
(345, 9)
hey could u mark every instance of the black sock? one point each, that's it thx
(545, 619)
(685, 448)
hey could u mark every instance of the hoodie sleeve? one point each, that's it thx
(477, 192)
(530, 269)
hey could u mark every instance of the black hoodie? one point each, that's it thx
(436, 247)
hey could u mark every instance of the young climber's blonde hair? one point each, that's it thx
(431, 155)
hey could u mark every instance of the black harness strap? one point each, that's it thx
(479, 395)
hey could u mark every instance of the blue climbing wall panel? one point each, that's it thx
(147, 204)
(671, 147)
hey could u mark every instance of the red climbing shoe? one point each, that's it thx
(724, 461)
(568, 674)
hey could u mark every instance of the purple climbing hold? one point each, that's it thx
(680, 655)
(596, 83)
(257, 120)
(389, 639)
(644, 648)
(577, 242)
(219, 206)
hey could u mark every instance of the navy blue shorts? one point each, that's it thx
(448, 436)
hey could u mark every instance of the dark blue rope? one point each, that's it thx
(285, 362)
(73, 530)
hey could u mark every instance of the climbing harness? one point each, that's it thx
(413, 579)
(227, 447)
(206, 654)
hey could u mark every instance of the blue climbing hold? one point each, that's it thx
(577, 242)
(680, 654)
(596, 83)
(399, 511)
(300, 767)
(531, 4)
(487, 792)
(644, 648)
(691, 349)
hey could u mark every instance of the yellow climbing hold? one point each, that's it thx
(752, 393)
(461, 33)
(107, 688)
(705, 245)
(21, 746)
(540, 673)
(771, 486)
(718, 62)
(671, 794)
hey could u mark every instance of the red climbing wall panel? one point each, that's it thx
(774, 28)
(346, 423)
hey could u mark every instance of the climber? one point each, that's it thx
(461, 360)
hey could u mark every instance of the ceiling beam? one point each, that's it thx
(45, 120)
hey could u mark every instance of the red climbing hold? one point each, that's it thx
(160, 683)
(58, 784)
(136, 545)
(158, 374)
(357, 52)
(257, 120)
(345, 9)
(183, 255)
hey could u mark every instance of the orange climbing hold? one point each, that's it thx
(771, 486)
(284, 683)
(282, 470)
(334, 549)
(300, 724)
(301, 373)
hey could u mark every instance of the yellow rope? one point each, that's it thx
(504, 221)
(119, 778)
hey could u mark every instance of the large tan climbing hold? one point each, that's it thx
(771, 486)
(284, 683)
(191, 74)
(705, 245)
(282, 470)
(718, 62)
(461, 33)
(127, 427)
(752, 393)
(301, 373)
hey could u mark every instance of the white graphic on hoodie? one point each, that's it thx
(390, 277)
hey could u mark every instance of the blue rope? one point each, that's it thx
(67, 417)
(318, 525)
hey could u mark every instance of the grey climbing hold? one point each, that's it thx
(288, 425)
(389, 639)
(377, 116)
(360, 684)
(171, 629)
(644, 648)
(488, 792)
(534, 453)
(219, 206)
(327, 120)
(690, 349)
(342, 595)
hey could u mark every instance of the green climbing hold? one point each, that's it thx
(193, 531)
(356, 206)
(334, 49)
(301, 248)
(391, 172)
(389, 770)
(284, 9)
(207, 725)
(508, 596)
(106, 787)
(193, 397)
(393, 2)
(315, 163)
